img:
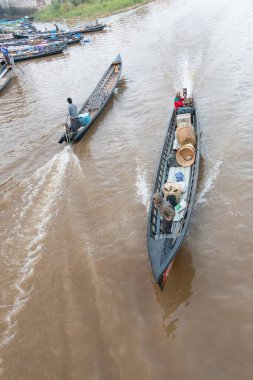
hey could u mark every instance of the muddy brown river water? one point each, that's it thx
(78, 300)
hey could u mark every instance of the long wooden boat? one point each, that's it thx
(4, 78)
(5, 71)
(37, 54)
(22, 35)
(60, 34)
(96, 101)
(38, 34)
(72, 40)
(34, 42)
(91, 28)
(162, 248)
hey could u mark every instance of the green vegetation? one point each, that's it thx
(88, 8)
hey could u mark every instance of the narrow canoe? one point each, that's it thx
(162, 248)
(5, 78)
(90, 29)
(5, 70)
(38, 35)
(66, 40)
(97, 100)
(72, 41)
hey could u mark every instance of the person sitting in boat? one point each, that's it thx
(181, 107)
(73, 115)
(178, 101)
(167, 212)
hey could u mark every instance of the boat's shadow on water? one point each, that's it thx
(177, 291)
(122, 86)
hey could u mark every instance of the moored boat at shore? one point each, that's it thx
(72, 40)
(163, 247)
(4, 79)
(38, 35)
(96, 101)
(5, 70)
(90, 28)
(68, 40)
(25, 55)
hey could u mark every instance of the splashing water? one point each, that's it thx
(209, 183)
(142, 186)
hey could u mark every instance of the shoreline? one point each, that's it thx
(102, 15)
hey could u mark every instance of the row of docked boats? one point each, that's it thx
(23, 29)
(60, 33)
(27, 49)
(24, 41)
(69, 39)
(21, 41)
(177, 173)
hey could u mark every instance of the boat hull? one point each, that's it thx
(4, 80)
(163, 248)
(39, 55)
(91, 29)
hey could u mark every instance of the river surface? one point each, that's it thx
(78, 300)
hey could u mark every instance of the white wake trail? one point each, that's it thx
(209, 183)
(142, 186)
(24, 246)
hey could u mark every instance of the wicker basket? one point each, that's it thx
(186, 135)
(186, 155)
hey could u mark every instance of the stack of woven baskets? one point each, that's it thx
(186, 137)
